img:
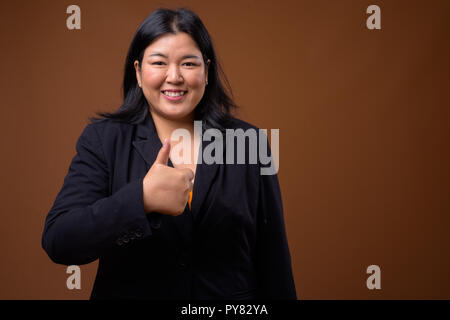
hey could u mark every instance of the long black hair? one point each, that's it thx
(216, 105)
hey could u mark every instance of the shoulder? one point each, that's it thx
(106, 137)
(107, 130)
(236, 123)
(239, 127)
(257, 145)
(111, 127)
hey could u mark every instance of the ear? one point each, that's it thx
(138, 72)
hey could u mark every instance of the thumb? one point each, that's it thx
(164, 152)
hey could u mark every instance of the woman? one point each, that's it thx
(163, 231)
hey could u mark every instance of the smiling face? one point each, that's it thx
(172, 76)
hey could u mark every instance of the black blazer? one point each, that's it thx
(231, 245)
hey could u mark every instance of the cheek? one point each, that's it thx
(196, 80)
(152, 79)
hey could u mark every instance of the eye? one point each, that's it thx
(189, 64)
(158, 63)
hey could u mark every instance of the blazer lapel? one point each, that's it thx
(205, 174)
(148, 144)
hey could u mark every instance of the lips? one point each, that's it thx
(174, 95)
(173, 90)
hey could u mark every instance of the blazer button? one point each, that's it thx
(155, 223)
(182, 262)
(138, 233)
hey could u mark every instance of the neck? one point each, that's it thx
(165, 127)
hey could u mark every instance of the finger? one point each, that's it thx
(190, 185)
(188, 174)
(164, 152)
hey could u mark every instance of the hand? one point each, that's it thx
(166, 189)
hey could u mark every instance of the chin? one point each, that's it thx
(176, 117)
(175, 114)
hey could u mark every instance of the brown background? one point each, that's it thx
(363, 118)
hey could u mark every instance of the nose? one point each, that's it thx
(174, 74)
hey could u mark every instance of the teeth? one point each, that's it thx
(173, 94)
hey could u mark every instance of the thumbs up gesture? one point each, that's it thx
(166, 189)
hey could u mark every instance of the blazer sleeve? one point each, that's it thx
(275, 277)
(85, 221)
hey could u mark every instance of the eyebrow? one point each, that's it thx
(187, 56)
